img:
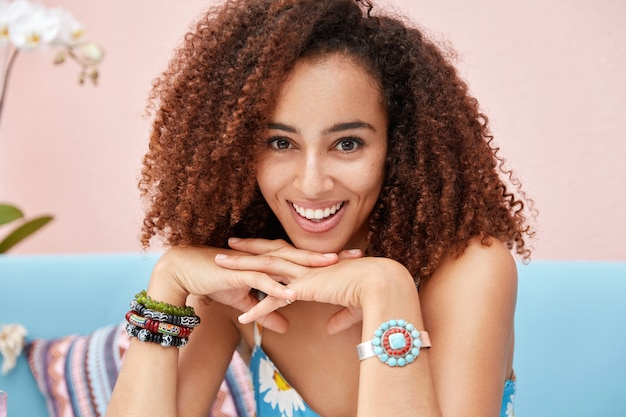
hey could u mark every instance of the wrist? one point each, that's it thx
(389, 293)
(164, 284)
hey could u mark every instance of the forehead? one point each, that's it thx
(338, 63)
(334, 80)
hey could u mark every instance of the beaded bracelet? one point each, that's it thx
(395, 342)
(164, 340)
(156, 326)
(184, 321)
(162, 307)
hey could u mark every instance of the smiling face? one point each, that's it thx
(323, 167)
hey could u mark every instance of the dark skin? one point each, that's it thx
(338, 297)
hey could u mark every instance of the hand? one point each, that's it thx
(270, 251)
(284, 250)
(184, 271)
(343, 283)
(196, 271)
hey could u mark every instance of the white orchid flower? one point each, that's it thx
(39, 26)
(28, 26)
(4, 22)
(71, 31)
(9, 12)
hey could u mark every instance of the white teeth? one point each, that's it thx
(317, 214)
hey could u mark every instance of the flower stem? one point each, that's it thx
(8, 66)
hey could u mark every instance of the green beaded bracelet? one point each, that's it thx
(143, 298)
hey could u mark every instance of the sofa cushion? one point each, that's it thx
(76, 374)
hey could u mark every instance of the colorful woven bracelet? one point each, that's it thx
(162, 307)
(164, 340)
(185, 321)
(156, 326)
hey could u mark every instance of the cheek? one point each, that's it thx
(263, 180)
(268, 178)
(369, 181)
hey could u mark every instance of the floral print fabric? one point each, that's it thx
(273, 394)
(508, 399)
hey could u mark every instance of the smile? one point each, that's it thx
(318, 213)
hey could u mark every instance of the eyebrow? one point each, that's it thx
(339, 127)
(283, 127)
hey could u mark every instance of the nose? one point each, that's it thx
(314, 176)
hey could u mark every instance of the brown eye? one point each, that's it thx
(348, 144)
(279, 143)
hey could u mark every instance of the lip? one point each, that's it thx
(318, 226)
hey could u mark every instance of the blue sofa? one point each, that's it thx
(570, 325)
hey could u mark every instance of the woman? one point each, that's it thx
(330, 158)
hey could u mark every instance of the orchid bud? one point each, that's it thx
(59, 57)
(91, 53)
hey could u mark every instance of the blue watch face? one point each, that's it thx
(396, 342)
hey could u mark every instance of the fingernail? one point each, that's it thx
(242, 318)
(289, 291)
(220, 256)
(330, 255)
(233, 240)
(354, 251)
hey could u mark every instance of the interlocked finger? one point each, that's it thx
(268, 305)
(278, 268)
(281, 249)
(273, 286)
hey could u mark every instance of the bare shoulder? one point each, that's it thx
(480, 265)
(480, 283)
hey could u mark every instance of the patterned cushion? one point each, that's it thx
(76, 375)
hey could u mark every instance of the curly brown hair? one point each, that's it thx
(445, 182)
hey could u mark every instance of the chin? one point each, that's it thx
(318, 245)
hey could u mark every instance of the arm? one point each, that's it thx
(406, 391)
(372, 290)
(148, 368)
(467, 307)
(151, 371)
(203, 362)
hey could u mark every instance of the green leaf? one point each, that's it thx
(23, 232)
(9, 213)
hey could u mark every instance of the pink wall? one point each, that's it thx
(549, 75)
